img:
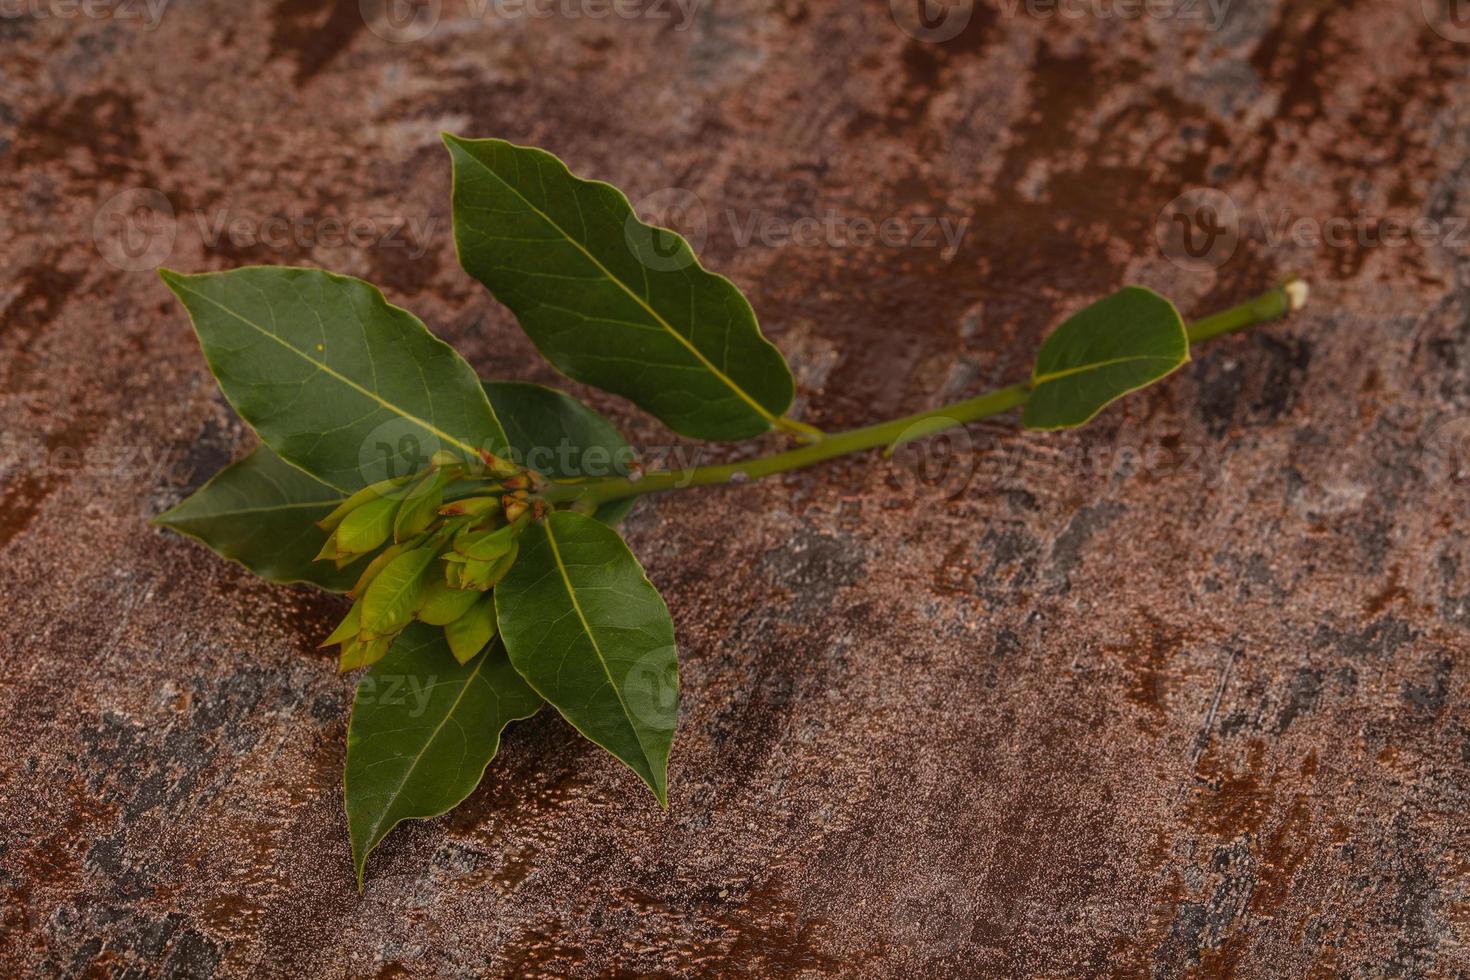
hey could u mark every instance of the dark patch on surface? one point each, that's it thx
(1066, 552)
(1427, 696)
(814, 567)
(23, 497)
(44, 291)
(1301, 697)
(314, 32)
(105, 124)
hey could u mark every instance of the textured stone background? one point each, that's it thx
(1184, 693)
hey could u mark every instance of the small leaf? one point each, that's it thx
(609, 300)
(560, 437)
(468, 634)
(1119, 344)
(472, 573)
(389, 602)
(367, 527)
(359, 652)
(380, 489)
(346, 630)
(471, 507)
(422, 732)
(421, 506)
(587, 630)
(332, 377)
(486, 545)
(262, 513)
(375, 566)
(440, 605)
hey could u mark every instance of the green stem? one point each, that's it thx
(1268, 306)
(1290, 295)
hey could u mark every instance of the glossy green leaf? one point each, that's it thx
(359, 652)
(486, 545)
(440, 605)
(367, 527)
(350, 626)
(393, 595)
(558, 436)
(423, 730)
(589, 632)
(332, 377)
(379, 562)
(382, 488)
(261, 512)
(468, 634)
(420, 506)
(1119, 344)
(610, 300)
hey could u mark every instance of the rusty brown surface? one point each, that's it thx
(1197, 710)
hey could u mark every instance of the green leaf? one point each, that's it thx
(367, 527)
(486, 545)
(393, 595)
(358, 652)
(423, 730)
(440, 605)
(261, 512)
(589, 632)
(420, 506)
(1119, 344)
(335, 380)
(468, 634)
(560, 437)
(609, 300)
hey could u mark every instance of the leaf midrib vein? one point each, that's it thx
(587, 629)
(418, 756)
(1098, 365)
(325, 369)
(658, 318)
